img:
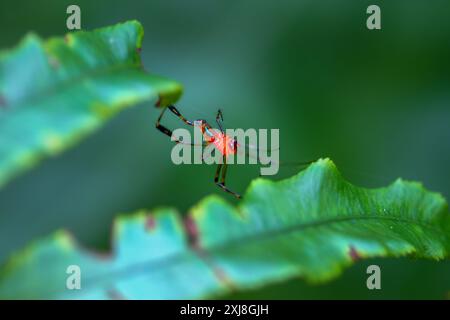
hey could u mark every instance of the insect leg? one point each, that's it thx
(221, 184)
(161, 127)
(179, 115)
(219, 119)
(216, 176)
(168, 132)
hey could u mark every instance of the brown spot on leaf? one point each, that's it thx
(138, 50)
(114, 294)
(192, 231)
(223, 277)
(158, 102)
(103, 256)
(354, 254)
(150, 223)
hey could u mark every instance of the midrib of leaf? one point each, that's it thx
(136, 269)
(320, 223)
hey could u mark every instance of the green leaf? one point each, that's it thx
(312, 225)
(54, 93)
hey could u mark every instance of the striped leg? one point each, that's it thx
(178, 114)
(221, 184)
(161, 127)
(169, 132)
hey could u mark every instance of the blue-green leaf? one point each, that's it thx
(56, 92)
(312, 225)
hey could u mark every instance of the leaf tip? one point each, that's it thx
(64, 238)
(325, 162)
(199, 210)
(138, 27)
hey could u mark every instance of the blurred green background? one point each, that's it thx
(376, 102)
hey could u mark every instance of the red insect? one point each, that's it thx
(223, 143)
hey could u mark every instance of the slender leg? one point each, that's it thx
(168, 132)
(221, 184)
(219, 119)
(161, 127)
(216, 176)
(178, 114)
